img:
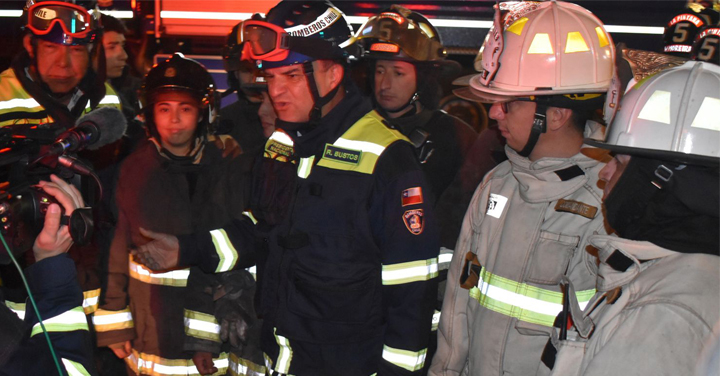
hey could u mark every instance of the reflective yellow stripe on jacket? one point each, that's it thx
(175, 278)
(201, 325)
(520, 300)
(18, 107)
(67, 321)
(91, 299)
(105, 321)
(153, 365)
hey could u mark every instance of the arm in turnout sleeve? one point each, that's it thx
(406, 232)
(59, 298)
(452, 348)
(227, 248)
(202, 332)
(113, 321)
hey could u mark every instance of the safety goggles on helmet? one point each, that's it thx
(268, 42)
(74, 20)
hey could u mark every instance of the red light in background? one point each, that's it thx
(132, 4)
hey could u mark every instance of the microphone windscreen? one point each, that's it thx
(110, 122)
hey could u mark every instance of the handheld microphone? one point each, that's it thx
(92, 131)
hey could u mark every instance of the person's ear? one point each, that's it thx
(27, 43)
(337, 73)
(558, 117)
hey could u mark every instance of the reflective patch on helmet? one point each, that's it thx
(517, 27)
(170, 72)
(414, 221)
(677, 48)
(384, 47)
(393, 16)
(707, 115)
(321, 23)
(496, 204)
(706, 32)
(575, 43)
(657, 107)
(697, 21)
(45, 14)
(602, 37)
(541, 44)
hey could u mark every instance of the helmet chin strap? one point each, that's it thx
(539, 127)
(409, 104)
(318, 101)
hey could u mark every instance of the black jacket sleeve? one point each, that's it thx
(59, 298)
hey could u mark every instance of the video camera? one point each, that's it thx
(30, 153)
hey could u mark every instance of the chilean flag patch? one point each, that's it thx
(412, 196)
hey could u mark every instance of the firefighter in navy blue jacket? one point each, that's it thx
(348, 278)
(52, 279)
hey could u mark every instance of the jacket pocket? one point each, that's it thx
(337, 300)
(551, 257)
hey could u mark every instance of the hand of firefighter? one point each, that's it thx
(204, 363)
(162, 252)
(122, 349)
(55, 238)
(227, 144)
(234, 306)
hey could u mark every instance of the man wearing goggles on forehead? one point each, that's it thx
(52, 80)
(347, 265)
(545, 66)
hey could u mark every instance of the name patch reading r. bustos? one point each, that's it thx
(576, 207)
(342, 155)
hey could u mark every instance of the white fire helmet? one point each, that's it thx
(543, 48)
(672, 115)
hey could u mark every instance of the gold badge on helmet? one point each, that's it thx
(170, 72)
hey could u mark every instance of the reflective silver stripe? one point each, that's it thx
(444, 258)
(284, 355)
(110, 99)
(305, 166)
(244, 367)
(409, 360)
(74, 368)
(225, 250)
(250, 215)
(253, 270)
(365, 146)
(90, 300)
(406, 272)
(153, 365)
(282, 138)
(67, 321)
(201, 325)
(19, 102)
(106, 321)
(18, 308)
(435, 320)
(177, 278)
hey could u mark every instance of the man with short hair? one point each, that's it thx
(347, 243)
(527, 226)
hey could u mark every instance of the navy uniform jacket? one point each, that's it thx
(353, 257)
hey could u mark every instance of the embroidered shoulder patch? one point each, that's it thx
(278, 148)
(414, 221)
(342, 155)
(412, 196)
(576, 207)
(495, 206)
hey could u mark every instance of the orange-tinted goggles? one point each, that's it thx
(264, 41)
(74, 20)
